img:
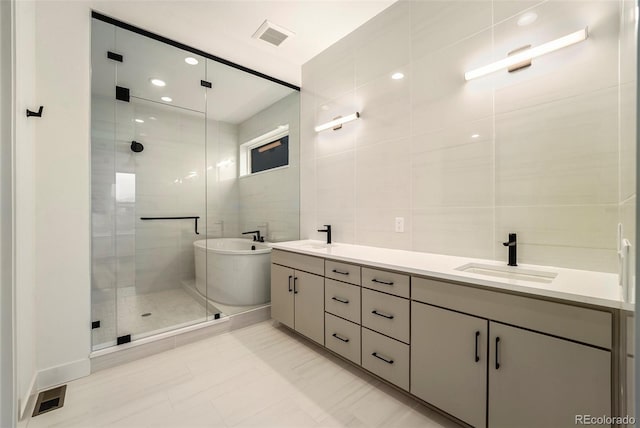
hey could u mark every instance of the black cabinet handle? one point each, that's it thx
(340, 272)
(380, 314)
(497, 354)
(339, 338)
(382, 282)
(295, 280)
(340, 300)
(290, 278)
(477, 337)
(375, 354)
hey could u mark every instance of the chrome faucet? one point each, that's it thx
(256, 235)
(328, 231)
(512, 244)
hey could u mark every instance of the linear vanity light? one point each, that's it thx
(529, 54)
(337, 122)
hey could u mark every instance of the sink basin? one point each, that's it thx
(509, 272)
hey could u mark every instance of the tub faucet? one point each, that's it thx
(328, 231)
(512, 249)
(256, 235)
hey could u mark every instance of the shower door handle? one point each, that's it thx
(290, 278)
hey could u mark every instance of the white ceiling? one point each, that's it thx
(224, 28)
(234, 96)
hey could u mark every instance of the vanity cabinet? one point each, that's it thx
(462, 349)
(449, 361)
(536, 380)
(297, 297)
(491, 359)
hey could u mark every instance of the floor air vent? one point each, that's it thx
(50, 400)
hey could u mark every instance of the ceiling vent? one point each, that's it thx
(272, 33)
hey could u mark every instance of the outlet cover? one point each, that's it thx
(399, 224)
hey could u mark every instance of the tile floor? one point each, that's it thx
(259, 376)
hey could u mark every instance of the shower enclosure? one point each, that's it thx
(175, 138)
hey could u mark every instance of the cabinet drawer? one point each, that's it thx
(342, 272)
(342, 337)
(342, 300)
(386, 357)
(388, 282)
(298, 261)
(386, 314)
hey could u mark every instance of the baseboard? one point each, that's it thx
(63, 373)
(23, 402)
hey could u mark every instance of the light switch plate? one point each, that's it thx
(399, 224)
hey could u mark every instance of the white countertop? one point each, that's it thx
(596, 288)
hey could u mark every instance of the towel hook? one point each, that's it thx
(36, 114)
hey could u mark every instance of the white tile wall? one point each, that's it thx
(567, 155)
(554, 155)
(270, 201)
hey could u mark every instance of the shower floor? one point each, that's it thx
(168, 309)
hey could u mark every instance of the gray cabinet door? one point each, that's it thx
(309, 305)
(282, 294)
(540, 381)
(449, 361)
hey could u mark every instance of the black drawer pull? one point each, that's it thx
(382, 282)
(375, 354)
(295, 280)
(477, 337)
(340, 272)
(497, 355)
(380, 314)
(337, 299)
(290, 278)
(339, 338)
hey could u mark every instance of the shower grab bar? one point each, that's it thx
(176, 218)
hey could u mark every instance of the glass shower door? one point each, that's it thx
(103, 233)
(160, 186)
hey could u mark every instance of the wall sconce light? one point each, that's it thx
(337, 122)
(528, 54)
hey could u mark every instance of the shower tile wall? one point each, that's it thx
(170, 181)
(166, 179)
(222, 181)
(548, 152)
(269, 201)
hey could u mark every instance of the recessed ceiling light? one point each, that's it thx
(152, 118)
(397, 76)
(191, 60)
(475, 135)
(167, 99)
(139, 120)
(527, 19)
(157, 82)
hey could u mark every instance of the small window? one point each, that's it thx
(266, 152)
(271, 155)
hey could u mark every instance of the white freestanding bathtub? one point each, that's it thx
(228, 271)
